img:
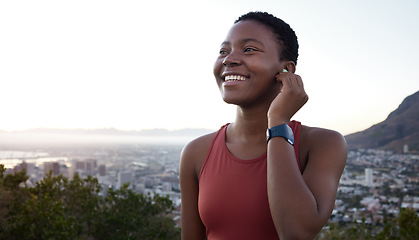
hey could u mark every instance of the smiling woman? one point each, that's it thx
(259, 55)
(238, 184)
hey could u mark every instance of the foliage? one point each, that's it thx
(409, 224)
(59, 208)
(390, 231)
(127, 215)
(405, 227)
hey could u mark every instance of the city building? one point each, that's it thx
(369, 177)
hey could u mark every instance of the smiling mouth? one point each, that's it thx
(231, 78)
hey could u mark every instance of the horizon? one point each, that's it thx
(110, 68)
(153, 130)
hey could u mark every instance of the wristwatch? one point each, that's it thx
(283, 131)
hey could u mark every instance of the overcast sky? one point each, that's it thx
(135, 65)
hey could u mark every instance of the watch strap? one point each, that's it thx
(283, 131)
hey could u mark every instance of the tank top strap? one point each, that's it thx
(296, 128)
(218, 137)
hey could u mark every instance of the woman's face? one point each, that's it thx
(247, 64)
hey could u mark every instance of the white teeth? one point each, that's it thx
(234, 78)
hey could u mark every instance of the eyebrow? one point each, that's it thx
(243, 41)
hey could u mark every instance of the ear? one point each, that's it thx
(290, 66)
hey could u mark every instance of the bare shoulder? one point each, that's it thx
(191, 160)
(194, 153)
(198, 146)
(329, 145)
(314, 136)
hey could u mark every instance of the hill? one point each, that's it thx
(401, 127)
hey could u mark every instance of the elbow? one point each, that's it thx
(304, 227)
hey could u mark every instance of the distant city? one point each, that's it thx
(374, 183)
(148, 168)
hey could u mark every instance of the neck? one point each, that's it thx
(251, 120)
(250, 124)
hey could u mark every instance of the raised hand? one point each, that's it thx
(290, 99)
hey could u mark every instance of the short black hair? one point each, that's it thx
(282, 31)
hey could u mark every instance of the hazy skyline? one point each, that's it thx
(132, 65)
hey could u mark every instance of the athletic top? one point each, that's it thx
(233, 199)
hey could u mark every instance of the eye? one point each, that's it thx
(250, 49)
(223, 52)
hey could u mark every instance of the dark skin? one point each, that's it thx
(265, 96)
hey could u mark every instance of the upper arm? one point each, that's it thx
(326, 161)
(192, 226)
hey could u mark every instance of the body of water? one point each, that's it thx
(12, 158)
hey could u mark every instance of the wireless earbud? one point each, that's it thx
(284, 70)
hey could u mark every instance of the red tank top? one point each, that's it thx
(233, 198)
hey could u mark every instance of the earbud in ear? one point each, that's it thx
(284, 70)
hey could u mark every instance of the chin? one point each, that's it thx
(234, 101)
(230, 100)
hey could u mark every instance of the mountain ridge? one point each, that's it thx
(400, 128)
(114, 131)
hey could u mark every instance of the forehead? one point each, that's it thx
(251, 29)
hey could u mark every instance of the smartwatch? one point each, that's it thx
(283, 131)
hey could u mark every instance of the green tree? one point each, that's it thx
(12, 196)
(408, 221)
(128, 215)
(389, 231)
(58, 208)
(360, 231)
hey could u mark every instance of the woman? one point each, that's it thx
(235, 183)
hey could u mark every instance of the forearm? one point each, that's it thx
(293, 206)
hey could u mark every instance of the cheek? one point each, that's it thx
(268, 61)
(268, 69)
(217, 68)
(274, 68)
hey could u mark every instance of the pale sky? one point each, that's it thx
(135, 65)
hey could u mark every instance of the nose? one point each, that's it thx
(231, 60)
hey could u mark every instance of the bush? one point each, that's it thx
(59, 208)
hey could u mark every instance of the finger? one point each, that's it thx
(299, 81)
(285, 80)
(292, 79)
(281, 76)
(288, 79)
